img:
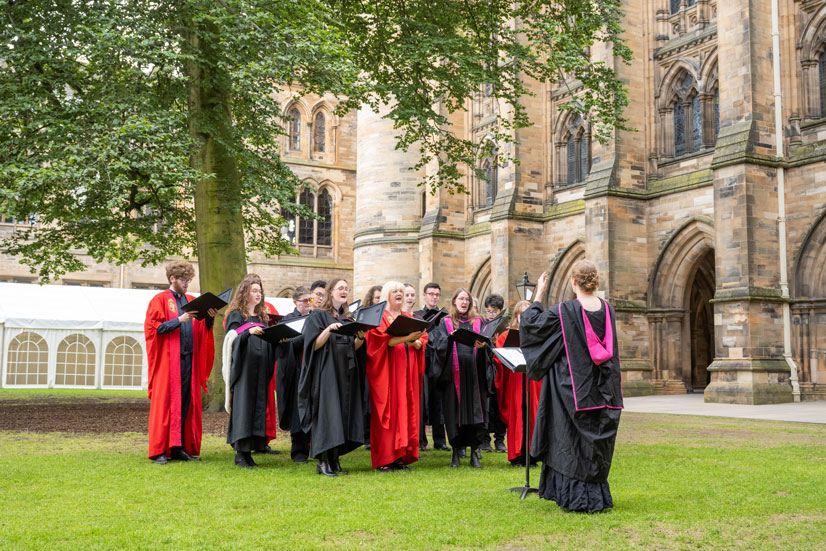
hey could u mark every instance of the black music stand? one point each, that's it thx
(526, 436)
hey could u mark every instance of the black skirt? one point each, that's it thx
(574, 495)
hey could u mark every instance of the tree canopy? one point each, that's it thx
(117, 112)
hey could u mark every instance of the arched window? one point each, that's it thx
(320, 133)
(305, 225)
(123, 363)
(324, 235)
(716, 112)
(28, 360)
(696, 124)
(312, 231)
(295, 129)
(821, 64)
(679, 129)
(490, 185)
(675, 6)
(688, 117)
(577, 152)
(75, 361)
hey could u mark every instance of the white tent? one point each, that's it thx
(60, 336)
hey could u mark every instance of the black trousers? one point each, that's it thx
(433, 414)
(299, 446)
(186, 391)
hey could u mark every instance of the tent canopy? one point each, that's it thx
(69, 307)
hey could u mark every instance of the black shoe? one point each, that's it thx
(268, 450)
(300, 459)
(499, 447)
(474, 458)
(335, 465)
(367, 445)
(180, 454)
(441, 447)
(322, 467)
(385, 469)
(454, 462)
(422, 447)
(397, 465)
(160, 459)
(242, 459)
(462, 453)
(485, 447)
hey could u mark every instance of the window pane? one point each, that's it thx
(696, 123)
(320, 132)
(295, 129)
(675, 6)
(716, 112)
(583, 158)
(325, 225)
(822, 71)
(679, 129)
(571, 160)
(305, 226)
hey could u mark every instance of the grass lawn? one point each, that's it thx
(678, 483)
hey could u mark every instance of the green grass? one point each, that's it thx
(678, 483)
(37, 394)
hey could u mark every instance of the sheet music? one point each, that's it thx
(513, 356)
(296, 325)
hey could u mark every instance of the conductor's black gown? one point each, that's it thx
(253, 360)
(579, 404)
(330, 388)
(464, 409)
(288, 356)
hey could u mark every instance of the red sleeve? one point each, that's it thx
(155, 316)
(501, 380)
(378, 368)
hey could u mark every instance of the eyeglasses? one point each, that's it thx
(306, 300)
(183, 280)
(433, 294)
(492, 311)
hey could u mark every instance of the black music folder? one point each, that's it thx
(404, 325)
(203, 303)
(469, 337)
(287, 329)
(512, 340)
(366, 319)
(433, 321)
(353, 306)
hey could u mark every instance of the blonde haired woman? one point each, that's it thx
(394, 372)
(572, 347)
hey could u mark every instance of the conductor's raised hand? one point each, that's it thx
(187, 316)
(541, 286)
(256, 331)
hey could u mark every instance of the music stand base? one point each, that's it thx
(525, 490)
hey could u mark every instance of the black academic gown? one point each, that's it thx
(579, 405)
(464, 413)
(288, 355)
(253, 360)
(330, 389)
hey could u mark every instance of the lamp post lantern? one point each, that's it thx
(525, 288)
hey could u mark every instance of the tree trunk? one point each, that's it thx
(219, 229)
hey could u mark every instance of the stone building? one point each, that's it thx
(682, 217)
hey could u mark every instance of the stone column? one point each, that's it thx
(707, 105)
(667, 132)
(748, 367)
(388, 216)
(811, 89)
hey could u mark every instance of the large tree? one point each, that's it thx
(138, 130)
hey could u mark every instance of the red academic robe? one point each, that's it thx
(164, 358)
(510, 396)
(272, 411)
(394, 374)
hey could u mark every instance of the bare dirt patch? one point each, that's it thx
(91, 414)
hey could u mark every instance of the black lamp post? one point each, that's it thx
(526, 291)
(525, 288)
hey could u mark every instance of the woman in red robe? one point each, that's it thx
(394, 372)
(510, 395)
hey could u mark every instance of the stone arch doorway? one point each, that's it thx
(480, 285)
(701, 324)
(680, 316)
(560, 289)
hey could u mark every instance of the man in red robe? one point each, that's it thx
(180, 351)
